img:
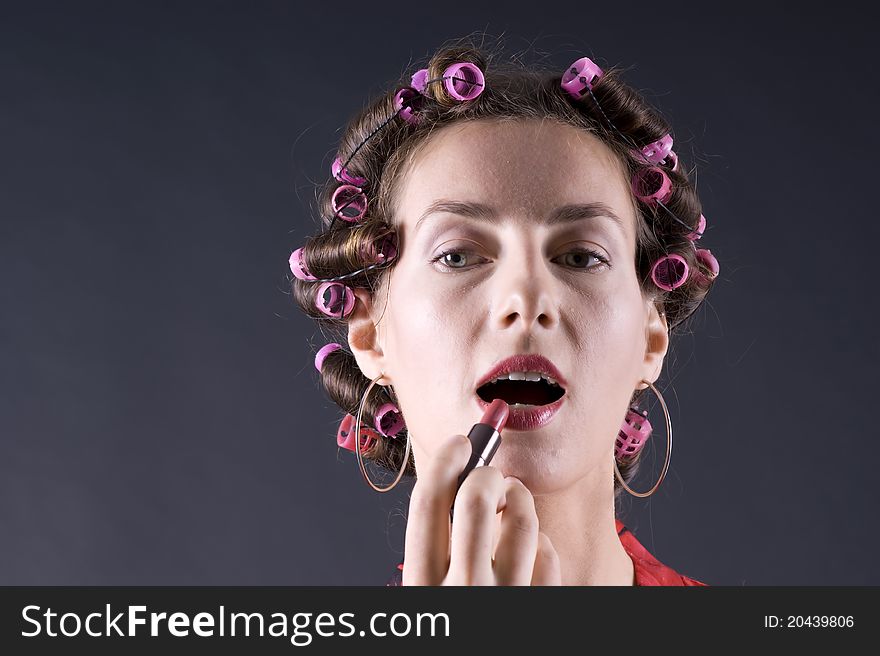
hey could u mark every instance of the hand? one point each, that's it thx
(523, 555)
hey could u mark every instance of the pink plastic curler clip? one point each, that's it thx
(580, 76)
(420, 80)
(342, 174)
(384, 250)
(701, 228)
(464, 81)
(657, 151)
(652, 185)
(335, 299)
(298, 265)
(705, 257)
(389, 421)
(670, 272)
(634, 432)
(323, 352)
(407, 103)
(345, 435)
(672, 161)
(349, 203)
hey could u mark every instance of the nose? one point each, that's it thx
(525, 291)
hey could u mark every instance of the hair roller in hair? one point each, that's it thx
(651, 185)
(464, 80)
(420, 80)
(335, 299)
(671, 160)
(342, 174)
(298, 265)
(580, 76)
(407, 103)
(349, 203)
(657, 151)
(701, 228)
(345, 435)
(389, 421)
(382, 250)
(669, 272)
(705, 257)
(634, 432)
(323, 352)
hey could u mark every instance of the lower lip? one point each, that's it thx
(525, 419)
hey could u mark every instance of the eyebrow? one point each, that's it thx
(487, 214)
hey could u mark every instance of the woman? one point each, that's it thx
(494, 231)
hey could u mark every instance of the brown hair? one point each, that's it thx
(512, 91)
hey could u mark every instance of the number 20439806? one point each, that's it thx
(812, 621)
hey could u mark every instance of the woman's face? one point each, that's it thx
(514, 284)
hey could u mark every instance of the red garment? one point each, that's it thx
(648, 570)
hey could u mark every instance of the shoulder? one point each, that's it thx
(649, 570)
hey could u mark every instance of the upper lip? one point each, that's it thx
(523, 362)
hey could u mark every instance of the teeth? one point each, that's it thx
(532, 376)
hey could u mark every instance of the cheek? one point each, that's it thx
(610, 329)
(428, 351)
(427, 322)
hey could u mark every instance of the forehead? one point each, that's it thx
(523, 167)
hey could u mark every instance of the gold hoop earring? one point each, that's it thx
(668, 450)
(357, 449)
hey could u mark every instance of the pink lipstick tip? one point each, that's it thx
(496, 414)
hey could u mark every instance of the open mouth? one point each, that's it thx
(522, 392)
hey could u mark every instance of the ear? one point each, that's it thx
(656, 344)
(363, 337)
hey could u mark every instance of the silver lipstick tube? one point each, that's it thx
(485, 441)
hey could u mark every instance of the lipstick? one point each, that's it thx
(485, 438)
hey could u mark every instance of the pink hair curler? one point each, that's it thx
(657, 151)
(700, 229)
(389, 421)
(335, 299)
(580, 76)
(671, 160)
(341, 173)
(420, 80)
(384, 250)
(705, 257)
(633, 434)
(407, 102)
(349, 203)
(298, 265)
(651, 185)
(670, 272)
(464, 81)
(323, 352)
(345, 435)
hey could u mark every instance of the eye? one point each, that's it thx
(453, 262)
(582, 256)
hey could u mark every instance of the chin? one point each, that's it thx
(540, 476)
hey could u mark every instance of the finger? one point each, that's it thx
(547, 569)
(473, 530)
(518, 543)
(426, 550)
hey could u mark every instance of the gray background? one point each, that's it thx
(160, 417)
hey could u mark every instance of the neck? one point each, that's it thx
(592, 554)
